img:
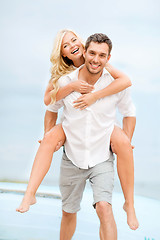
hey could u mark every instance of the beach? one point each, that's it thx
(42, 222)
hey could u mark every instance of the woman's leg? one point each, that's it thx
(41, 165)
(125, 169)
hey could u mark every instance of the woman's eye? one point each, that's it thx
(64, 46)
(74, 39)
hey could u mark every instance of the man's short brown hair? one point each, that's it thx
(99, 38)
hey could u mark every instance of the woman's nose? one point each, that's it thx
(72, 44)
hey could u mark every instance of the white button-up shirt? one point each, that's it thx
(88, 131)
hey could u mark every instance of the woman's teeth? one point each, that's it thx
(76, 50)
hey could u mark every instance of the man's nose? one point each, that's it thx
(96, 58)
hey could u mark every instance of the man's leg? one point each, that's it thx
(68, 225)
(108, 230)
(72, 184)
(102, 182)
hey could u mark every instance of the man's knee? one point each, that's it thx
(104, 209)
(69, 216)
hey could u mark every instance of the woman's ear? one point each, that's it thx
(62, 54)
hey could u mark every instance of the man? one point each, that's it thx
(88, 132)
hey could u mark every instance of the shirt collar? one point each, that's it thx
(74, 74)
(105, 72)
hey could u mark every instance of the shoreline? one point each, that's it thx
(52, 191)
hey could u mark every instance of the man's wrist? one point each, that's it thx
(128, 134)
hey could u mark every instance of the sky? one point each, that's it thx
(28, 29)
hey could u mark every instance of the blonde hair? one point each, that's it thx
(60, 65)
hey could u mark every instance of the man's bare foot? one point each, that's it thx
(131, 216)
(26, 202)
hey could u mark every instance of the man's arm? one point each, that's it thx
(51, 115)
(128, 110)
(129, 124)
(49, 120)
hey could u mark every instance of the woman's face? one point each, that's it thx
(71, 47)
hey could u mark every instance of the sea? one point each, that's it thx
(21, 126)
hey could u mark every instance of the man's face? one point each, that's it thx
(96, 57)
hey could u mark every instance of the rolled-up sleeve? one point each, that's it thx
(55, 107)
(125, 104)
(62, 81)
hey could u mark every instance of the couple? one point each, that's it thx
(88, 131)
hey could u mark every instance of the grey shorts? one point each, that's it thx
(73, 181)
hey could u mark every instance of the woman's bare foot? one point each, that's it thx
(26, 202)
(131, 216)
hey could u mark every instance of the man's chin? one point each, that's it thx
(94, 71)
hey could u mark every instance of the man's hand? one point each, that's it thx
(114, 150)
(59, 145)
(49, 122)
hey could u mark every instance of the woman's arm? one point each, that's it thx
(78, 86)
(121, 82)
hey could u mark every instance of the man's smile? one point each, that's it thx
(94, 66)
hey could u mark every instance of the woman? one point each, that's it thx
(68, 54)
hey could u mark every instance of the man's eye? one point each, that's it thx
(64, 46)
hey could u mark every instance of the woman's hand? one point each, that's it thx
(82, 87)
(85, 101)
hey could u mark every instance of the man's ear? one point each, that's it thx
(108, 57)
(84, 53)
